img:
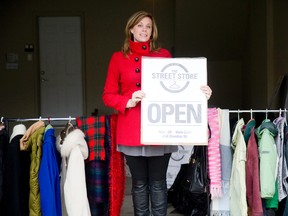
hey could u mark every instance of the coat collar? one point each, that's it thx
(76, 138)
(142, 48)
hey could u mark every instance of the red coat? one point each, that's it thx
(252, 174)
(124, 78)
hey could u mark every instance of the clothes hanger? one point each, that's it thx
(280, 112)
(285, 116)
(2, 125)
(238, 114)
(69, 127)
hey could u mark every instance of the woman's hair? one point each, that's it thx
(134, 20)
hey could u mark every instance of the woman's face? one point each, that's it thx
(143, 30)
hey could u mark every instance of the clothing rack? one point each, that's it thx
(36, 119)
(21, 120)
(251, 111)
(257, 111)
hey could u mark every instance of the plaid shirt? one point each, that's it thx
(94, 129)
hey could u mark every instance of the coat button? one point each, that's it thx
(137, 70)
(136, 59)
(144, 47)
(138, 84)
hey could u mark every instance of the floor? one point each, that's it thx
(127, 208)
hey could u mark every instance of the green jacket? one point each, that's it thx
(266, 133)
(34, 145)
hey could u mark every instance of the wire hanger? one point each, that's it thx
(2, 122)
(238, 114)
(285, 116)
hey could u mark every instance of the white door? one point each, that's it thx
(60, 66)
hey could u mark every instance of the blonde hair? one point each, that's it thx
(134, 20)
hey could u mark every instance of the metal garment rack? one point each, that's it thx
(259, 111)
(36, 119)
(73, 118)
(251, 111)
(21, 120)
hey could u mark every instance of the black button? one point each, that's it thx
(144, 47)
(137, 70)
(136, 59)
(138, 84)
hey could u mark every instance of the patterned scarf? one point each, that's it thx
(94, 129)
(214, 159)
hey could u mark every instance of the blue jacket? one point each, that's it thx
(49, 179)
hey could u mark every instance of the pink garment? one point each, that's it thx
(214, 158)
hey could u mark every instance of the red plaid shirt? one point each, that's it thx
(94, 129)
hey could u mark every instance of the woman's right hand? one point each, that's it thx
(137, 96)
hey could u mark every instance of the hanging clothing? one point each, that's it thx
(238, 202)
(96, 168)
(285, 212)
(282, 172)
(266, 133)
(74, 151)
(221, 205)
(17, 176)
(272, 203)
(63, 171)
(4, 140)
(214, 158)
(18, 129)
(97, 182)
(49, 176)
(34, 127)
(225, 146)
(286, 143)
(33, 144)
(94, 129)
(252, 171)
(117, 170)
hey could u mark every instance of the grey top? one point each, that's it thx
(147, 150)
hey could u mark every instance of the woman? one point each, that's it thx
(122, 91)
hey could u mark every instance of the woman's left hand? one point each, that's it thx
(207, 91)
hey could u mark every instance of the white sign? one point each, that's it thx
(174, 110)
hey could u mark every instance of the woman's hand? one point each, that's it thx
(137, 96)
(207, 91)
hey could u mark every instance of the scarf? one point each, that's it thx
(117, 171)
(214, 159)
(221, 205)
(94, 129)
